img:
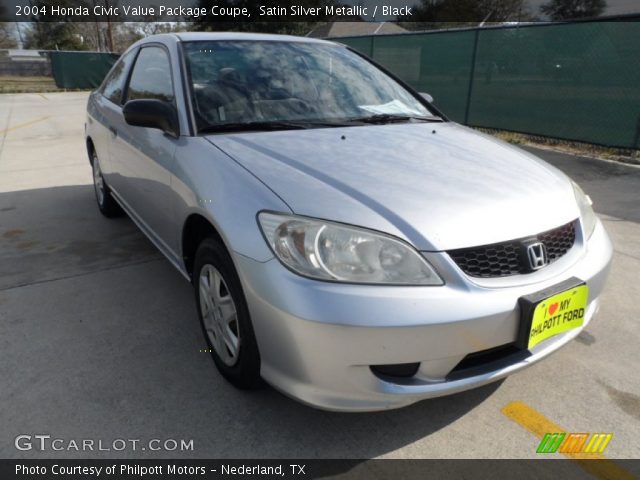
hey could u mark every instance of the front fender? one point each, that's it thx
(210, 183)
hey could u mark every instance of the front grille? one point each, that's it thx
(559, 240)
(510, 258)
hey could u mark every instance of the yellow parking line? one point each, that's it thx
(22, 125)
(43, 96)
(539, 425)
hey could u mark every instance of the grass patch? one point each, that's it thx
(626, 155)
(10, 84)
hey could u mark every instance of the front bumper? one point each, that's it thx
(318, 340)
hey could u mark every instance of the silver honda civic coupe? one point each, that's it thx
(347, 243)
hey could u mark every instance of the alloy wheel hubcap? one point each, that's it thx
(219, 315)
(98, 181)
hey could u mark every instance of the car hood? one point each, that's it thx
(439, 186)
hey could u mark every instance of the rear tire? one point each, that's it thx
(106, 203)
(224, 316)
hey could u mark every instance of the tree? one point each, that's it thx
(54, 36)
(47, 35)
(275, 24)
(7, 32)
(568, 9)
(7, 35)
(450, 13)
(126, 33)
(90, 34)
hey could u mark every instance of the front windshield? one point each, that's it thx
(242, 82)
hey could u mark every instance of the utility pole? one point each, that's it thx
(20, 35)
(109, 30)
(98, 34)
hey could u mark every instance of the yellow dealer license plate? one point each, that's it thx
(558, 313)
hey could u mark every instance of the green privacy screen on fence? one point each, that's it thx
(577, 81)
(80, 70)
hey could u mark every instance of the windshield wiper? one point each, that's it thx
(268, 126)
(383, 118)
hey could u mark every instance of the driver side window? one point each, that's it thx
(114, 84)
(151, 76)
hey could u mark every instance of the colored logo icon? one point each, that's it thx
(564, 442)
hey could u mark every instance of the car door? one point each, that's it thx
(107, 111)
(144, 156)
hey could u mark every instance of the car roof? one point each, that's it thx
(262, 37)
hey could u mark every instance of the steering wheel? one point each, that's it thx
(305, 106)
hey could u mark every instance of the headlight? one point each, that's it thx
(587, 215)
(332, 251)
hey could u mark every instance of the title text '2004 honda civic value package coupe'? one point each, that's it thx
(346, 242)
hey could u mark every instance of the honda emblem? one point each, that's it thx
(537, 255)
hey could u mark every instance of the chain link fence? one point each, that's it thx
(81, 70)
(574, 81)
(69, 70)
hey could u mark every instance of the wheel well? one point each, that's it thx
(90, 149)
(195, 230)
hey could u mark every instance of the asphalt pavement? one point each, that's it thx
(99, 337)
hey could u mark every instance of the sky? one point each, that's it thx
(614, 7)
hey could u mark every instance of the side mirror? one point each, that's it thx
(427, 97)
(152, 113)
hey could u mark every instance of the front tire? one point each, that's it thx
(106, 203)
(224, 316)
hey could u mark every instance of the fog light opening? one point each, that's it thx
(402, 370)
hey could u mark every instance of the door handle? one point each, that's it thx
(113, 131)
